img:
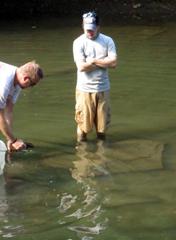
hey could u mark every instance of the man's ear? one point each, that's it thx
(25, 78)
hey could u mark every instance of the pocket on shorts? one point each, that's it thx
(79, 114)
(78, 108)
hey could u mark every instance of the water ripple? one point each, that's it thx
(89, 230)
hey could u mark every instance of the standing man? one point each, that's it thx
(93, 54)
(12, 80)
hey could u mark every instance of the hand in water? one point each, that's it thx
(16, 146)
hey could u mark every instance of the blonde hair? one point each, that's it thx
(33, 70)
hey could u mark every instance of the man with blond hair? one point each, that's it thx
(12, 80)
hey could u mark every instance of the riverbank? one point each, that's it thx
(127, 11)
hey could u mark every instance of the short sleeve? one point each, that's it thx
(78, 51)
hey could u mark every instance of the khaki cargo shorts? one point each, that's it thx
(92, 109)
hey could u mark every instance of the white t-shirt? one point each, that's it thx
(7, 88)
(101, 47)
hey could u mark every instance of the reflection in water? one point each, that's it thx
(90, 164)
(87, 166)
(105, 175)
(129, 157)
(67, 200)
(7, 230)
(3, 200)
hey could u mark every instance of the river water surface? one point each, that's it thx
(123, 189)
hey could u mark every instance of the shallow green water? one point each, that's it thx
(122, 190)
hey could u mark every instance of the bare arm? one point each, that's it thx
(108, 62)
(92, 63)
(9, 114)
(6, 120)
(5, 126)
(85, 66)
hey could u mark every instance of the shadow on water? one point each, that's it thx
(164, 134)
